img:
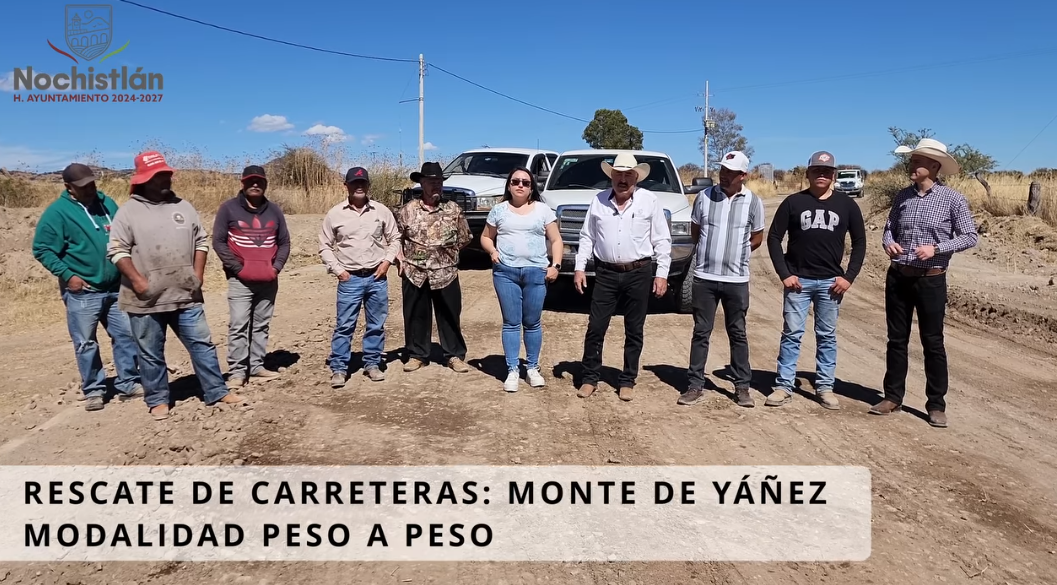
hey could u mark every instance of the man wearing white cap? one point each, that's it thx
(726, 226)
(927, 225)
(624, 231)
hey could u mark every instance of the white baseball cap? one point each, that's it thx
(736, 161)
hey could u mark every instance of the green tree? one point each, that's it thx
(610, 129)
(724, 135)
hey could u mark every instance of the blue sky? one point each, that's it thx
(649, 59)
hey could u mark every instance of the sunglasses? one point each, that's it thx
(262, 183)
(522, 182)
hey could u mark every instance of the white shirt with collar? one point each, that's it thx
(620, 237)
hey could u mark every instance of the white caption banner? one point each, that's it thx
(468, 513)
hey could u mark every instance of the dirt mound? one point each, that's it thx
(1018, 230)
(1002, 317)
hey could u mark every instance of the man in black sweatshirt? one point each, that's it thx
(818, 220)
(251, 239)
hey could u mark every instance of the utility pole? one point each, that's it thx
(707, 120)
(421, 110)
(707, 123)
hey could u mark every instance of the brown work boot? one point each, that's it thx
(413, 364)
(886, 406)
(938, 418)
(625, 393)
(230, 398)
(586, 390)
(160, 412)
(458, 365)
(744, 398)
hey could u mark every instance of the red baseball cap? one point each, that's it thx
(149, 164)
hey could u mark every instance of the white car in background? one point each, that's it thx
(577, 178)
(476, 180)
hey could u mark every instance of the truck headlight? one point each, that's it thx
(680, 228)
(488, 202)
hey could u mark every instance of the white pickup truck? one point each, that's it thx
(476, 180)
(577, 178)
(851, 182)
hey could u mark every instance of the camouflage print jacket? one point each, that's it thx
(431, 241)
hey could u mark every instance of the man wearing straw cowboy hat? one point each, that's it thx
(625, 229)
(927, 225)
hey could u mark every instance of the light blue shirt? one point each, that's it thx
(522, 239)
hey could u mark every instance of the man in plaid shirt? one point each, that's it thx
(928, 224)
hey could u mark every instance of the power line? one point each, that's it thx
(442, 70)
(1032, 140)
(270, 39)
(377, 58)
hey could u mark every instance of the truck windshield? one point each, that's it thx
(847, 175)
(585, 172)
(493, 164)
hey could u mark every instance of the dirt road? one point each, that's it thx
(974, 503)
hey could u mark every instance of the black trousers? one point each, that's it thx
(734, 297)
(629, 293)
(420, 304)
(928, 296)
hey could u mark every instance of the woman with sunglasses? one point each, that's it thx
(516, 234)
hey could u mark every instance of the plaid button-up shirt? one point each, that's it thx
(939, 217)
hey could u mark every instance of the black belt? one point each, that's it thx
(906, 270)
(363, 272)
(628, 267)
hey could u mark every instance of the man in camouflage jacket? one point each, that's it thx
(432, 232)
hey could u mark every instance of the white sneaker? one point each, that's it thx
(512, 382)
(535, 379)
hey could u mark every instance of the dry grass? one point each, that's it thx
(1009, 195)
(758, 185)
(301, 180)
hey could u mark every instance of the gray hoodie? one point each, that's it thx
(161, 239)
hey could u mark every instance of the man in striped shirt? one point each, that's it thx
(726, 226)
(927, 225)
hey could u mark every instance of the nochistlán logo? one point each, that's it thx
(89, 31)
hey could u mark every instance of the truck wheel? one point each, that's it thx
(683, 295)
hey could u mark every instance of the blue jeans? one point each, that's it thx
(521, 292)
(84, 312)
(191, 329)
(373, 295)
(815, 292)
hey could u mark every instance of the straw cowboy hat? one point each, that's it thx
(935, 150)
(626, 162)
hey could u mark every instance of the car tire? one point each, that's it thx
(683, 293)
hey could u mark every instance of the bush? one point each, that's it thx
(883, 188)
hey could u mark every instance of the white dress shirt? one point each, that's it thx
(621, 237)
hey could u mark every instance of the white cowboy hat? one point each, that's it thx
(935, 150)
(626, 162)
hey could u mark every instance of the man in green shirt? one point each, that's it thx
(71, 242)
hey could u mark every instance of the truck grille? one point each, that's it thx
(571, 219)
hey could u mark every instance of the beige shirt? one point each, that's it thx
(351, 240)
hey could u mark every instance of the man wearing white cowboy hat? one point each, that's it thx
(927, 225)
(625, 229)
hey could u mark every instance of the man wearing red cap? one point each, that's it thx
(159, 245)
